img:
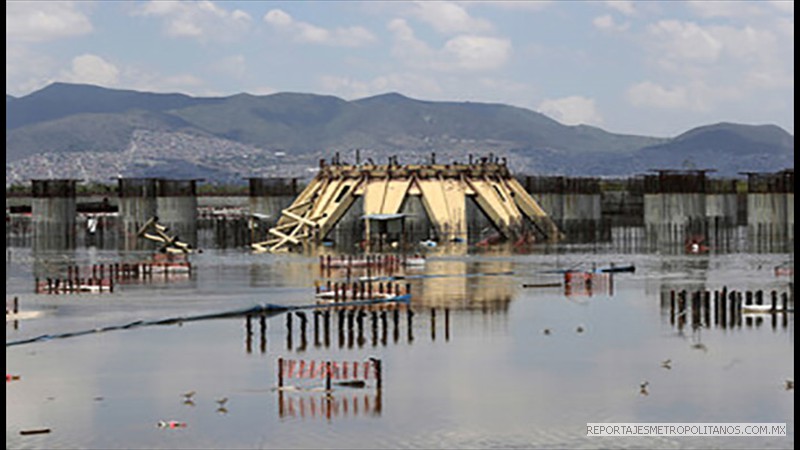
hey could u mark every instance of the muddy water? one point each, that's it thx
(483, 373)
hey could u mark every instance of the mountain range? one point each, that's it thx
(95, 133)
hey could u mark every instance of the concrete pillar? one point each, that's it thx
(176, 207)
(674, 207)
(574, 204)
(267, 198)
(53, 210)
(722, 210)
(137, 204)
(770, 210)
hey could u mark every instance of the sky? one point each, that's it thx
(648, 68)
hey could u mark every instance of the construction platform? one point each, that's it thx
(442, 188)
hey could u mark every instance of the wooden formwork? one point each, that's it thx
(443, 189)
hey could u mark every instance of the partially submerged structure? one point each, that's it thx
(443, 189)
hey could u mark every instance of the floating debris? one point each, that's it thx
(34, 431)
(171, 424)
(352, 383)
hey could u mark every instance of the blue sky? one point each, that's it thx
(652, 68)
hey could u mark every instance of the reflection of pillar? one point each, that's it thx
(409, 320)
(433, 324)
(327, 324)
(303, 323)
(396, 320)
(447, 324)
(263, 325)
(249, 334)
(289, 331)
(385, 327)
(53, 212)
(316, 328)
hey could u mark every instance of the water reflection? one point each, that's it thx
(724, 309)
(454, 379)
(351, 327)
(329, 406)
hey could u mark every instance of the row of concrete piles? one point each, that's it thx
(670, 206)
(174, 202)
(681, 205)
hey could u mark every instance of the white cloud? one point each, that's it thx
(769, 78)
(684, 46)
(449, 18)
(651, 94)
(278, 18)
(463, 52)
(202, 20)
(696, 95)
(786, 6)
(623, 6)
(731, 9)
(305, 32)
(786, 27)
(44, 21)
(91, 69)
(685, 41)
(572, 110)
(515, 5)
(26, 70)
(606, 22)
(477, 52)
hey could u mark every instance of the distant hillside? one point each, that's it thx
(729, 148)
(64, 121)
(63, 99)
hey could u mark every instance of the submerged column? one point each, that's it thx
(675, 207)
(137, 204)
(268, 197)
(176, 206)
(53, 210)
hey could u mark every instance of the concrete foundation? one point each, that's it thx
(176, 207)
(770, 210)
(574, 204)
(53, 211)
(267, 198)
(137, 204)
(675, 207)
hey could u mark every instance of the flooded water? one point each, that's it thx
(484, 363)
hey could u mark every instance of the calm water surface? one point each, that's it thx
(491, 377)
